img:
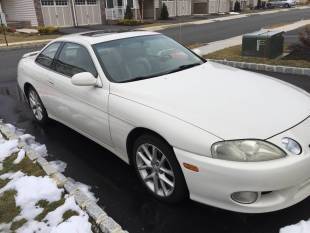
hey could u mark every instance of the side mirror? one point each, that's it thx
(198, 52)
(84, 79)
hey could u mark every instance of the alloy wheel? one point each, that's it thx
(35, 105)
(155, 170)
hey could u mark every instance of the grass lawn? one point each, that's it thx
(234, 54)
(10, 212)
(19, 37)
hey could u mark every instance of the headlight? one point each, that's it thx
(246, 151)
(292, 146)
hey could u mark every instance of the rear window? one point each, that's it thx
(45, 58)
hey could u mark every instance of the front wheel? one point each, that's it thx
(37, 107)
(158, 169)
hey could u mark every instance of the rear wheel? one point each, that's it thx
(287, 5)
(36, 105)
(158, 169)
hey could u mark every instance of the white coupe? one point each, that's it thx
(190, 128)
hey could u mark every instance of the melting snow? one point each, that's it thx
(20, 156)
(60, 166)
(85, 189)
(301, 227)
(31, 189)
(7, 148)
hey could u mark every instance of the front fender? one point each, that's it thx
(125, 115)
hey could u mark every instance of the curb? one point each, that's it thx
(101, 218)
(264, 67)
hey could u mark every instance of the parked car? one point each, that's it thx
(281, 3)
(190, 128)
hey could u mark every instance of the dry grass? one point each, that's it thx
(234, 54)
(21, 37)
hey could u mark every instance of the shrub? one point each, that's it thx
(11, 30)
(237, 7)
(7, 29)
(259, 4)
(129, 22)
(48, 30)
(164, 14)
(128, 13)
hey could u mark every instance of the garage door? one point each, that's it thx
(200, 8)
(87, 12)
(183, 7)
(57, 13)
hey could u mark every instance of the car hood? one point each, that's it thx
(227, 102)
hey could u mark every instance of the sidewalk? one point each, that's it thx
(224, 18)
(237, 40)
(150, 28)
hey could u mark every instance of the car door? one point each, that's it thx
(42, 73)
(82, 108)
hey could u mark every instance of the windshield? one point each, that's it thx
(143, 57)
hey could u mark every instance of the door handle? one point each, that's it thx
(50, 82)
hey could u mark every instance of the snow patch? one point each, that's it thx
(60, 166)
(85, 189)
(27, 138)
(55, 217)
(7, 148)
(11, 175)
(40, 149)
(20, 156)
(301, 227)
(75, 224)
(30, 190)
(11, 127)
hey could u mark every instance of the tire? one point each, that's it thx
(165, 168)
(37, 108)
(287, 5)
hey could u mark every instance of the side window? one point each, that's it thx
(45, 58)
(74, 59)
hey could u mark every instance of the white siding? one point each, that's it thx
(20, 10)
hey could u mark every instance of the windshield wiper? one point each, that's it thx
(138, 78)
(184, 67)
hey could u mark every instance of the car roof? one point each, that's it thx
(94, 37)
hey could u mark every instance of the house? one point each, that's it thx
(115, 9)
(60, 13)
(175, 8)
(210, 6)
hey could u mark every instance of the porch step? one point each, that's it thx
(19, 24)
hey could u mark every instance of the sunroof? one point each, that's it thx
(104, 32)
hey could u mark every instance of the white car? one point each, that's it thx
(281, 3)
(222, 136)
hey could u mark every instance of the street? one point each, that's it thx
(205, 33)
(115, 183)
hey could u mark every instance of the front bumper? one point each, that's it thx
(280, 183)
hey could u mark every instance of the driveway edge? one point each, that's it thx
(101, 218)
(265, 67)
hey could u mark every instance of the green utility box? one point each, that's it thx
(263, 44)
